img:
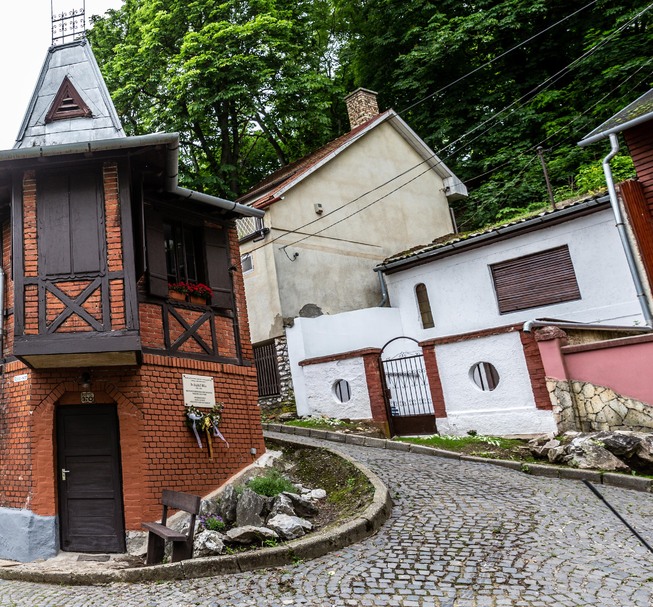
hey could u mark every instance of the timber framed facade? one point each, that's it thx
(94, 345)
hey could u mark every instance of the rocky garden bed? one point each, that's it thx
(304, 490)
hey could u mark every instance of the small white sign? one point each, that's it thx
(199, 391)
(22, 377)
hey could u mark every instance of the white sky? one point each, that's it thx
(25, 36)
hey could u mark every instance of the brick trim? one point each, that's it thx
(451, 339)
(340, 356)
(435, 383)
(610, 343)
(536, 370)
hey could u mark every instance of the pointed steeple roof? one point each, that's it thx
(71, 103)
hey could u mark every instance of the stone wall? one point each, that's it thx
(583, 406)
(286, 395)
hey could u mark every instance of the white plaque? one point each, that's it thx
(20, 378)
(199, 391)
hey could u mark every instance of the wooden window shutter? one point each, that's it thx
(424, 306)
(218, 262)
(540, 279)
(157, 273)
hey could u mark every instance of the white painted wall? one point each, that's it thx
(462, 294)
(508, 409)
(334, 334)
(320, 397)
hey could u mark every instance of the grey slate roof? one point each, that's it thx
(76, 61)
(640, 110)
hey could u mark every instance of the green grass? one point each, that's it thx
(271, 483)
(460, 443)
(320, 423)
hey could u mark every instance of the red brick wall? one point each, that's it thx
(8, 342)
(158, 450)
(536, 371)
(435, 384)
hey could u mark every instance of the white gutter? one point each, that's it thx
(530, 324)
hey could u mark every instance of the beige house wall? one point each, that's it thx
(333, 270)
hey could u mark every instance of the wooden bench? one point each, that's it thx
(159, 534)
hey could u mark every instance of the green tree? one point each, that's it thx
(244, 82)
(411, 51)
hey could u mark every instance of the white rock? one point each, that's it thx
(318, 494)
(208, 543)
(289, 527)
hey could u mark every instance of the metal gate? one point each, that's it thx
(407, 393)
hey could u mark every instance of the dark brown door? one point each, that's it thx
(90, 489)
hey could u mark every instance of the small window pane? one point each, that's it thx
(485, 376)
(247, 262)
(424, 306)
(342, 390)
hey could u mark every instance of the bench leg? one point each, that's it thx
(182, 550)
(155, 549)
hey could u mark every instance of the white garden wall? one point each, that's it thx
(508, 409)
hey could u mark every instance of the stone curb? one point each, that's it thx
(312, 546)
(624, 481)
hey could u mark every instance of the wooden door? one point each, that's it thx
(91, 515)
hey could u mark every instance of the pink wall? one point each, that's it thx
(625, 365)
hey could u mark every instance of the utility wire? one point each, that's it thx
(545, 84)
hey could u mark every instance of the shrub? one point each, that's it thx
(271, 484)
(212, 522)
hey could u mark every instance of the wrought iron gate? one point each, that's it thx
(407, 393)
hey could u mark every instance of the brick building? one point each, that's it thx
(92, 409)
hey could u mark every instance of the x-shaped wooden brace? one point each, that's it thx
(74, 306)
(190, 331)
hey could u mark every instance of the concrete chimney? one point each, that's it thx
(361, 106)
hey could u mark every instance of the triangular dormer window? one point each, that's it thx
(68, 103)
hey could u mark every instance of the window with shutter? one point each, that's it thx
(424, 305)
(536, 280)
(179, 251)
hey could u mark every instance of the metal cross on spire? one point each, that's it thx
(68, 26)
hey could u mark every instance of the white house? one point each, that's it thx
(465, 300)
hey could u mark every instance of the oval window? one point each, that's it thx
(342, 390)
(485, 376)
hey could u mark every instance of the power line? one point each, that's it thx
(545, 84)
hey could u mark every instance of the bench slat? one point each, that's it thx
(181, 501)
(165, 532)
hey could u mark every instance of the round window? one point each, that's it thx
(342, 390)
(485, 376)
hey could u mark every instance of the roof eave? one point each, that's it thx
(498, 234)
(616, 129)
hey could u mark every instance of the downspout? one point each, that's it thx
(384, 288)
(623, 235)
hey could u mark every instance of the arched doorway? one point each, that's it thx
(406, 388)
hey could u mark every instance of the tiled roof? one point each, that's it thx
(638, 111)
(454, 242)
(267, 191)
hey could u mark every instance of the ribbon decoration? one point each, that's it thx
(195, 418)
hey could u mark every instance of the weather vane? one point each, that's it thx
(68, 26)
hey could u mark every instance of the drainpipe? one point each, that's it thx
(616, 209)
(384, 288)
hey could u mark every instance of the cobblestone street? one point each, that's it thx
(461, 534)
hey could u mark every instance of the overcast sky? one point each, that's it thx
(25, 36)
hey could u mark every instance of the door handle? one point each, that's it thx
(63, 473)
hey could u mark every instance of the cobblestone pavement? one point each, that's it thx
(461, 534)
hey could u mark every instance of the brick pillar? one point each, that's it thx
(371, 361)
(433, 374)
(550, 341)
(536, 368)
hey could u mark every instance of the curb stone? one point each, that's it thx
(314, 545)
(624, 481)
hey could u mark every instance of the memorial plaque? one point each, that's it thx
(199, 391)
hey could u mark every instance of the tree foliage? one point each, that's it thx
(253, 84)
